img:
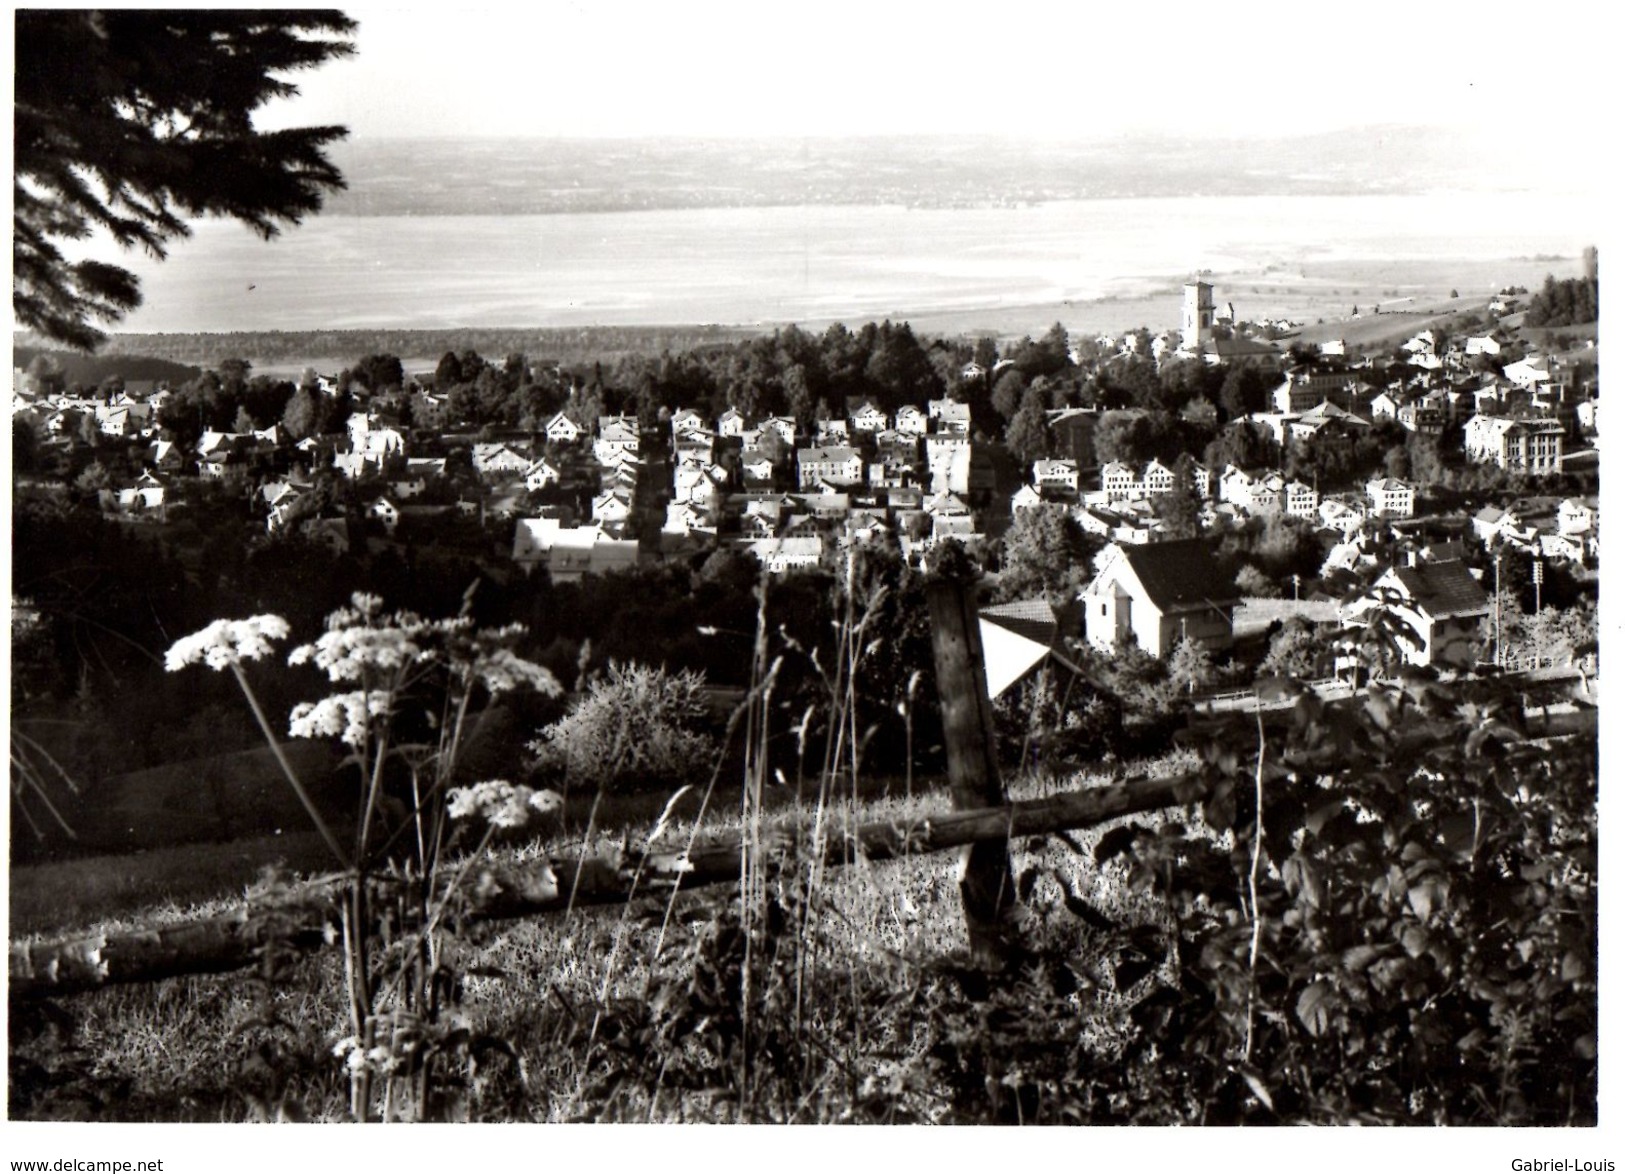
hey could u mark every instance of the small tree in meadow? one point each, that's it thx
(1190, 666)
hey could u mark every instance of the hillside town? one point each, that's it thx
(579, 494)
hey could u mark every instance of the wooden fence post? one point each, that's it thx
(985, 885)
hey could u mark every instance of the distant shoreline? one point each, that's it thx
(1308, 293)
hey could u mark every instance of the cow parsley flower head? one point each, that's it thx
(500, 803)
(343, 715)
(227, 642)
(487, 657)
(501, 671)
(360, 640)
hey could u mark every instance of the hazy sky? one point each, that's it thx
(1010, 67)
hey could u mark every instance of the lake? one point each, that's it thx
(826, 262)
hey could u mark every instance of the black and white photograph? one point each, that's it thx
(850, 564)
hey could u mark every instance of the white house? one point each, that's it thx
(785, 426)
(947, 462)
(1155, 595)
(830, 432)
(1391, 496)
(1529, 445)
(696, 483)
(1529, 371)
(756, 464)
(684, 517)
(1119, 481)
(611, 509)
(1563, 548)
(867, 418)
(541, 474)
(617, 436)
(1425, 342)
(1263, 493)
(910, 421)
(385, 511)
(1575, 517)
(836, 465)
(534, 540)
(1384, 406)
(1440, 602)
(686, 420)
(562, 430)
(693, 443)
(1059, 474)
(1025, 498)
(498, 460)
(1157, 478)
(950, 415)
(781, 555)
(1300, 500)
(1335, 514)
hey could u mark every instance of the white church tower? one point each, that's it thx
(1196, 320)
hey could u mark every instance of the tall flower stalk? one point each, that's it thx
(402, 674)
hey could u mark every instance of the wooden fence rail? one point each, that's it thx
(307, 917)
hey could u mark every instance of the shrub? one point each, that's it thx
(635, 726)
(1051, 719)
(1254, 582)
(1399, 926)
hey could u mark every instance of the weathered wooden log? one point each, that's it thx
(307, 917)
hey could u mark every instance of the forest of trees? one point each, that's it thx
(1570, 302)
(561, 344)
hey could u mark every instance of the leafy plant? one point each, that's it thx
(1390, 917)
(416, 681)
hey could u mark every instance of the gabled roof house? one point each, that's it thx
(1156, 594)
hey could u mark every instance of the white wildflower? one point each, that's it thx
(343, 715)
(347, 654)
(461, 802)
(500, 803)
(227, 642)
(501, 671)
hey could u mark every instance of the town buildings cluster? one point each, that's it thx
(587, 496)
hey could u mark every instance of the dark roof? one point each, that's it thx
(1180, 575)
(1443, 589)
(1236, 348)
(1032, 618)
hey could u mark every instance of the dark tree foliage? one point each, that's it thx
(1245, 390)
(1028, 435)
(1243, 446)
(1050, 355)
(376, 372)
(1569, 302)
(1180, 509)
(1046, 553)
(1129, 380)
(129, 121)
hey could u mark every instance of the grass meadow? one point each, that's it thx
(595, 1014)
